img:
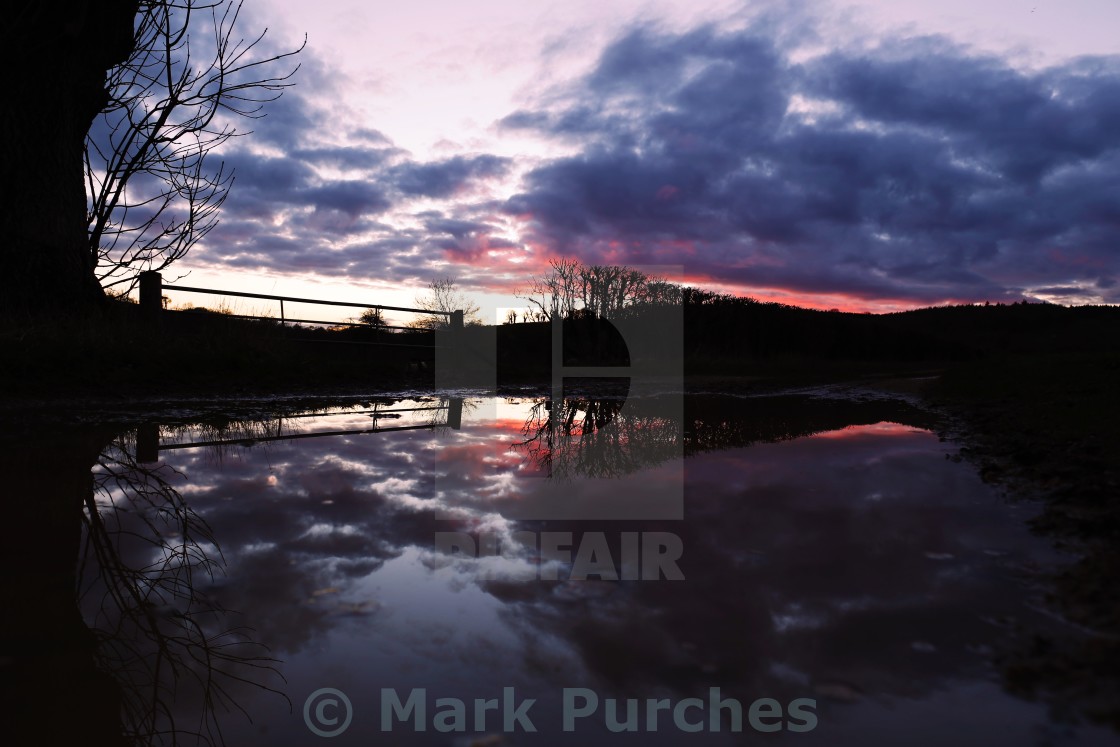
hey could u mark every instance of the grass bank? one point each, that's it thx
(1044, 425)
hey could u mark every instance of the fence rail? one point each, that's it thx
(293, 299)
(151, 302)
(149, 443)
(287, 319)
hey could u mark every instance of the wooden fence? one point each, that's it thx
(152, 289)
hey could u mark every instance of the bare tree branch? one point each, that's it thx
(152, 193)
(444, 296)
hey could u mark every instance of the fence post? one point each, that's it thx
(147, 443)
(151, 295)
(455, 413)
(449, 350)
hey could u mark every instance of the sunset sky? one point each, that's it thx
(860, 155)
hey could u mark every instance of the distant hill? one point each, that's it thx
(738, 335)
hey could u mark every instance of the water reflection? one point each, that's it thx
(831, 551)
(595, 438)
(114, 641)
(147, 556)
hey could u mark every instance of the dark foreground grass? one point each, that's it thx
(114, 355)
(1050, 424)
(1045, 426)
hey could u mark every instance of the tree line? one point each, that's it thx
(722, 327)
(571, 289)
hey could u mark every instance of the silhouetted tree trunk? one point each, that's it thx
(55, 57)
(52, 688)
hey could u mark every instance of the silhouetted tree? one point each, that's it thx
(372, 318)
(598, 291)
(57, 58)
(152, 191)
(557, 292)
(135, 192)
(444, 296)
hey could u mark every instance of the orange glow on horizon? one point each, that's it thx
(534, 262)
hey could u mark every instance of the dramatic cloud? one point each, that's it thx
(881, 173)
(911, 170)
(444, 178)
(316, 195)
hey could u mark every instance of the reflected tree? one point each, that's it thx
(145, 561)
(590, 436)
(598, 437)
(113, 627)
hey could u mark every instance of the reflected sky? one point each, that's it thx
(832, 551)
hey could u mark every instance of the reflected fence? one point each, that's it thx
(149, 443)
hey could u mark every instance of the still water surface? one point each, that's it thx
(832, 550)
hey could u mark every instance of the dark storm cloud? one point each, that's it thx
(456, 228)
(353, 197)
(316, 190)
(914, 170)
(444, 178)
(316, 207)
(288, 119)
(1060, 290)
(305, 179)
(370, 135)
(347, 157)
(267, 185)
(1025, 125)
